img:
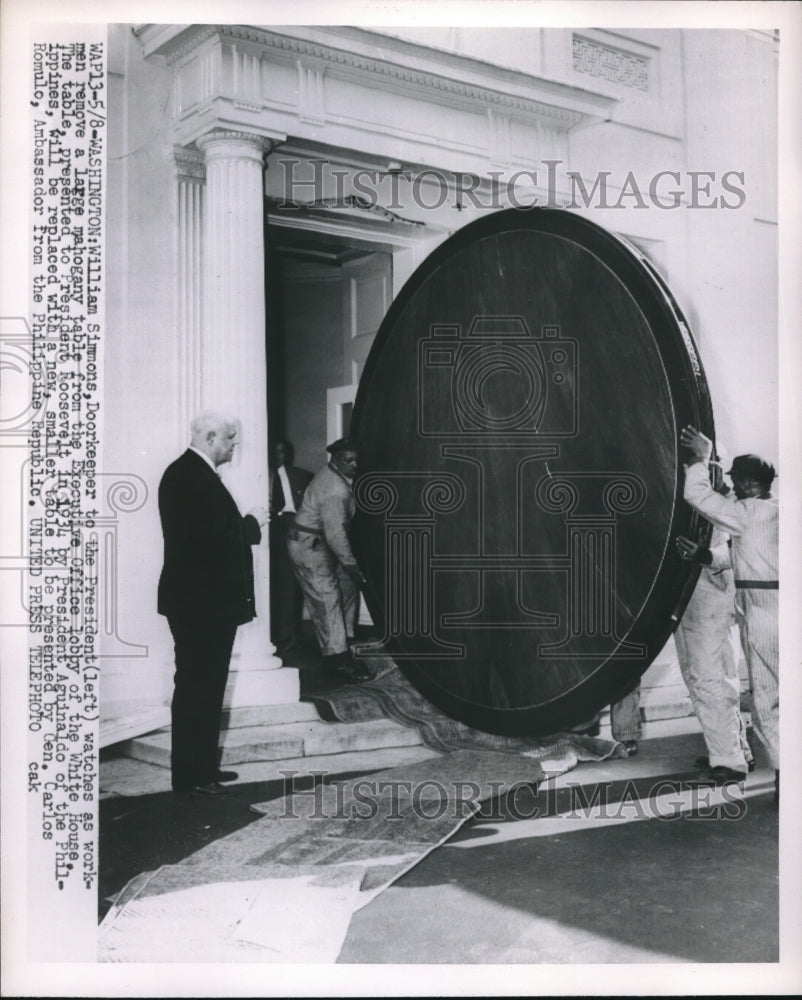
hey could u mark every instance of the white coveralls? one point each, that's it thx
(753, 525)
(707, 663)
(625, 722)
(319, 549)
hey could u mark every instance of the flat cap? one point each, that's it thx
(753, 467)
(343, 444)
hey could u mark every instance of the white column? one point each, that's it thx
(234, 377)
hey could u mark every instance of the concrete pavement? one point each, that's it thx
(619, 862)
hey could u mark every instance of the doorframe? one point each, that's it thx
(336, 399)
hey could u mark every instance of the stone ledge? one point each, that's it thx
(123, 720)
(269, 715)
(280, 742)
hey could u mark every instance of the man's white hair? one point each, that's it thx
(209, 420)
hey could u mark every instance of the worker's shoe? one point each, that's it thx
(631, 747)
(342, 667)
(704, 763)
(720, 775)
(356, 673)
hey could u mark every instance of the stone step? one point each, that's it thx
(295, 730)
(670, 701)
(679, 708)
(284, 741)
(123, 720)
(269, 715)
(318, 738)
(666, 702)
(657, 728)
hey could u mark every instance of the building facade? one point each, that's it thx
(271, 189)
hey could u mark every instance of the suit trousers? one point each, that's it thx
(331, 595)
(286, 600)
(202, 657)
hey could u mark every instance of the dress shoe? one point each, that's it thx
(631, 747)
(720, 776)
(211, 788)
(226, 776)
(704, 763)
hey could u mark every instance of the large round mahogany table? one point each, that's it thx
(520, 484)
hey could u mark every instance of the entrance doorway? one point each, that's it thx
(326, 298)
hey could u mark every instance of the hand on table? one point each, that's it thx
(691, 552)
(700, 446)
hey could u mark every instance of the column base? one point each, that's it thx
(255, 657)
(247, 688)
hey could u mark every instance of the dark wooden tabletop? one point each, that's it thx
(520, 484)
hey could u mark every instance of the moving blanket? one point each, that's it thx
(283, 888)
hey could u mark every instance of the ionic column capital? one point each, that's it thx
(238, 145)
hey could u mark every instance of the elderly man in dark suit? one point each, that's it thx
(286, 600)
(206, 591)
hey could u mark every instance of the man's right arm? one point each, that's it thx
(334, 516)
(725, 513)
(722, 557)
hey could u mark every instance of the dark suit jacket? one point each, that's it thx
(208, 565)
(299, 480)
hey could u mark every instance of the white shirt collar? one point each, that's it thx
(289, 503)
(206, 459)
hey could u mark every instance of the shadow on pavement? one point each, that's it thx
(694, 889)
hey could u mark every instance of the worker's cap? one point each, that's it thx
(752, 467)
(343, 444)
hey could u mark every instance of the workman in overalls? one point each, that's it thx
(324, 563)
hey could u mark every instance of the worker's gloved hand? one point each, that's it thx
(691, 552)
(355, 573)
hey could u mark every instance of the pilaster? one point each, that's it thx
(191, 183)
